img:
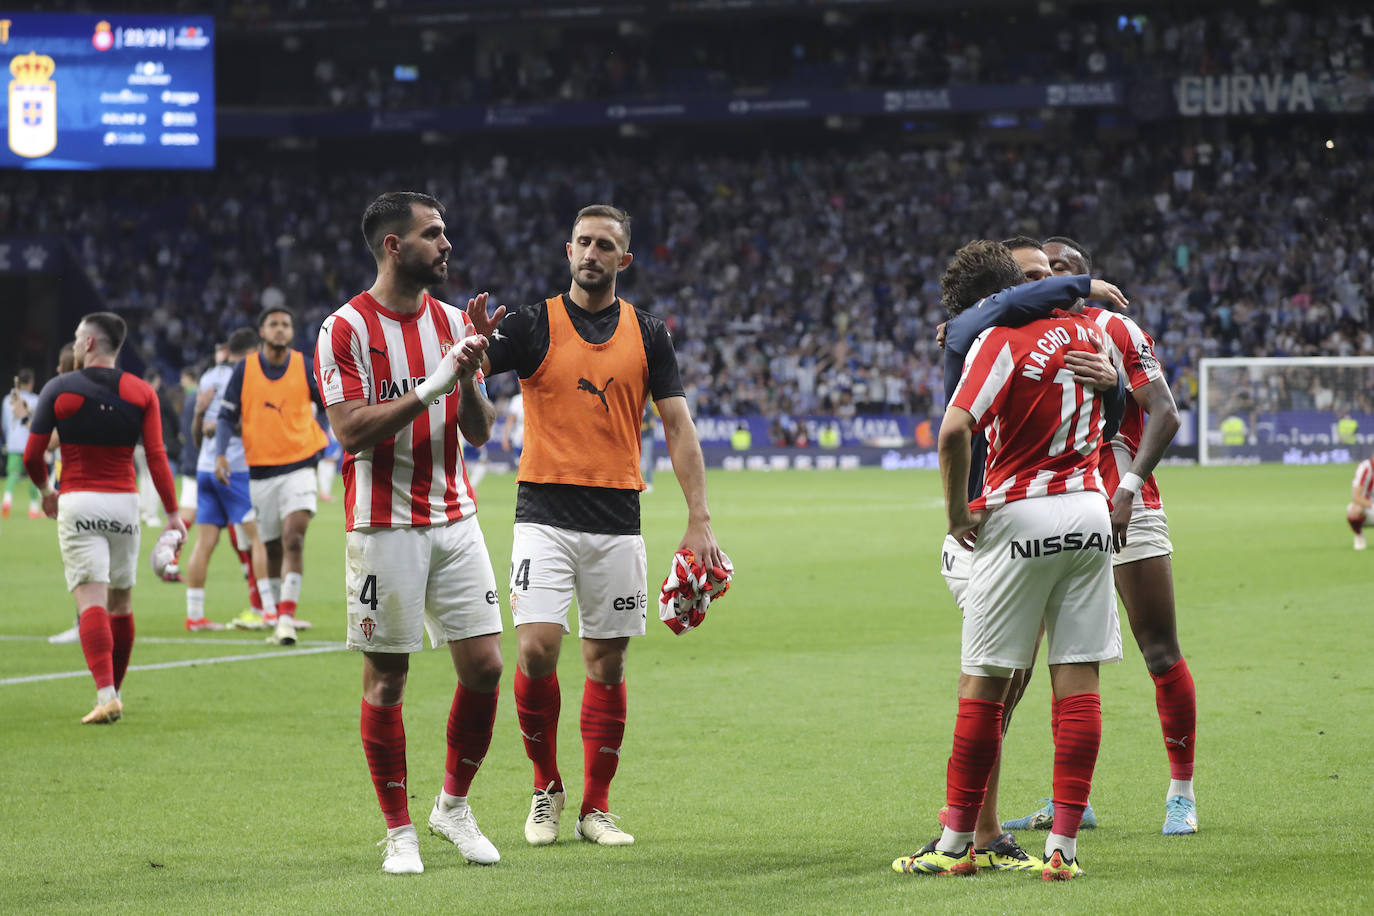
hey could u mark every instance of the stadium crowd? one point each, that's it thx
(409, 56)
(392, 69)
(793, 282)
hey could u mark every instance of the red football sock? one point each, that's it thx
(537, 704)
(977, 740)
(122, 632)
(1176, 700)
(246, 564)
(286, 609)
(470, 721)
(1356, 524)
(603, 731)
(97, 644)
(384, 744)
(1054, 718)
(1075, 755)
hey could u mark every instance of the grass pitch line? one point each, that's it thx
(183, 641)
(185, 663)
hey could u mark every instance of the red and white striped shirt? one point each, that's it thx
(1364, 478)
(1043, 428)
(366, 352)
(1138, 359)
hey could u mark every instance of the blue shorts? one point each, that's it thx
(471, 452)
(217, 504)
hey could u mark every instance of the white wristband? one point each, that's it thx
(1131, 482)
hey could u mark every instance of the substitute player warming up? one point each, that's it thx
(587, 363)
(388, 364)
(99, 413)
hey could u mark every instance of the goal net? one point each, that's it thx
(1300, 410)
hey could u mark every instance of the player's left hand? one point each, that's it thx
(1092, 370)
(964, 528)
(1122, 503)
(471, 351)
(701, 541)
(50, 504)
(483, 323)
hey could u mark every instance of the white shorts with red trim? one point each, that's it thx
(1146, 536)
(274, 498)
(1046, 558)
(405, 582)
(608, 573)
(98, 534)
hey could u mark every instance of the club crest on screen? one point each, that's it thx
(33, 105)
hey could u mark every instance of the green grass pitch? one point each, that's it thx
(776, 760)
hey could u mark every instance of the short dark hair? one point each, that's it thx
(1070, 243)
(606, 211)
(243, 341)
(109, 326)
(979, 269)
(1017, 242)
(274, 310)
(66, 359)
(25, 376)
(393, 213)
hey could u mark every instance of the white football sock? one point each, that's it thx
(1068, 845)
(954, 842)
(195, 604)
(269, 604)
(1182, 787)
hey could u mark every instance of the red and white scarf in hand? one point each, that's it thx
(689, 590)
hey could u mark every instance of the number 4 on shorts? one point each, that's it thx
(522, 575)
(368, 595)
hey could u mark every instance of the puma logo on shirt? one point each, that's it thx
(584, 385)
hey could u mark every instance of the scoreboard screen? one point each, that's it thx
(108, 91)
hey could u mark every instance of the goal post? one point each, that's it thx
(1293, 410)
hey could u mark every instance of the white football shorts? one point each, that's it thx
(405, 582)
(608, 573)
(1043, 558)
(1146, 536)
(98, 534)
(955, 562)
(189, 493)
(274, 498)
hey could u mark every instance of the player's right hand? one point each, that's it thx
(1107, 292)
(965, 529)
(1122, 503)
(174, 523)
(483, 323)
(222, 469)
